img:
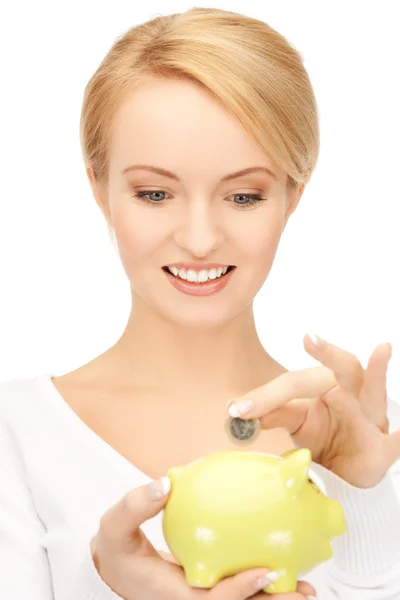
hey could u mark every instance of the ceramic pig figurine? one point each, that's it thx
(236, 510)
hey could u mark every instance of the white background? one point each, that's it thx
(64, 295)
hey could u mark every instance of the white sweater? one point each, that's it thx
(57, 478)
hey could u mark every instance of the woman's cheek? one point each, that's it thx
(261, 243)
(139, 240)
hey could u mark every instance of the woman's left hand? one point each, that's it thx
(338, 411)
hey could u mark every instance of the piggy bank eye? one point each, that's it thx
(314, 485)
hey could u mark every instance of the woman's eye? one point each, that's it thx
(250, 199)
(245, 200)
(142, 196)
(314, 485)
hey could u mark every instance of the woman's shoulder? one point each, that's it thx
(17, 397)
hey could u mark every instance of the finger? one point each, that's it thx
(291, 416)
(243, 585)
(373, 395)
(121, 523)
(314, 381)
(348, 370)
(344, 405)
(280, 596)
(305, 588)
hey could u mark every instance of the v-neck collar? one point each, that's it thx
(126, 467)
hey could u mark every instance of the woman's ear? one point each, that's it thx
(293, 198)
(99, 194)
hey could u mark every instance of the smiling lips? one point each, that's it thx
(207, 280)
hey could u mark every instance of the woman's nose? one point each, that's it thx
(199, 231)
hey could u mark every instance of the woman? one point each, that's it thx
(199, 133)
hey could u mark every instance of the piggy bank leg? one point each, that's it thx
(200, 575)
(286, 583)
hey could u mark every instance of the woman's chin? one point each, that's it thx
(197, 317)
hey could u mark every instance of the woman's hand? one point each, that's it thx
(129, 564)
(338, 411)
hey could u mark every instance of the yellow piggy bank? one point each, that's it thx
(236, 510)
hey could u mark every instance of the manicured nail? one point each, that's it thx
(317, 341)
(240, 408)
(159, 488)
(267, 579)
(312, 598)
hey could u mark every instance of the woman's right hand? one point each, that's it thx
(132, 567)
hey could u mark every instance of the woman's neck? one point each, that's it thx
(154, 353)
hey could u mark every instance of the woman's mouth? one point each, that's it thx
(199, 283)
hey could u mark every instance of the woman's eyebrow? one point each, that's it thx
(171, 175)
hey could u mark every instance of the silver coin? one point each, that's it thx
(242, 431)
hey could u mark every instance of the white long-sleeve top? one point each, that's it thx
(58, 477)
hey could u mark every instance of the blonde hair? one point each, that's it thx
(241, 61)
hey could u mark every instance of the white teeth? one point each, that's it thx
(202, 276)
(198, 276)
(190, 275)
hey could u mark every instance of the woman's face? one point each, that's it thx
(194, 216)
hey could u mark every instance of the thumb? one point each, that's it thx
(247, 583)
(121, 523)
(290, 416)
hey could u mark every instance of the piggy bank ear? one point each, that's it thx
(174, 473)
(294, 468)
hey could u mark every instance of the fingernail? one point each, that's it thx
(317, 341)
(240, 408)
(267, 579)
(159, 488)
(311, 598)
